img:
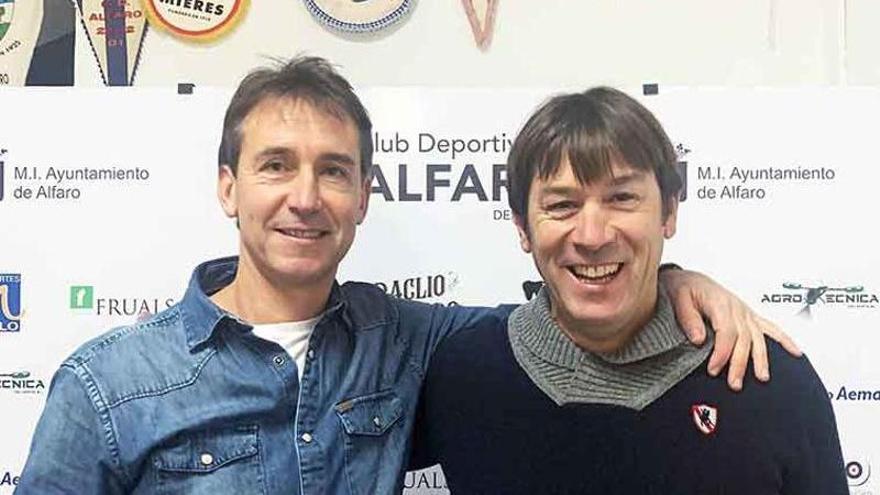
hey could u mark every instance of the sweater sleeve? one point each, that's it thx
(815, 464)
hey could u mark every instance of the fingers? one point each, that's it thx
(724, 344)
(760, 362)
(773, 331)
(689, 318)
(738, 362)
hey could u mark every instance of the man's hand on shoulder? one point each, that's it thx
(739, 331)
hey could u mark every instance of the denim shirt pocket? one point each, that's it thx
(211, 462)
(373, 439)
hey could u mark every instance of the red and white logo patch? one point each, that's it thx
(705, 417)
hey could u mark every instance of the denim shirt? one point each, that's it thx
(191, 402)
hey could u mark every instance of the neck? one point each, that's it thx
(609, 338)
(260, 299)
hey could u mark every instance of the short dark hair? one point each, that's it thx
(311, 78)
(593, 129)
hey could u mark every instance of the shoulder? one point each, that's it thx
(368, 306)
(484, 339)
(123, 338)
(792, 375)
(794, 396)
(140, 359)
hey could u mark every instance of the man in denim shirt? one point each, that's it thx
(269, 377)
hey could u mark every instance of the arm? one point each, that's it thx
(426, 326)
(816, 463)
(69, 451)
(739, 330)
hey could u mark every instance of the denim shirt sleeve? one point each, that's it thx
(70, 451)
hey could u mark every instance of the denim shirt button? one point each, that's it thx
(206, 459)
(377, 421)
(279, 360)
(306, 437)
(311, 354)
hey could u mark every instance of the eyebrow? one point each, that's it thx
(628, 177)
(558, 190)
(622, 179)
(273, 151)
(340, 158)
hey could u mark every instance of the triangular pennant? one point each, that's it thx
(115, 29)
(481, 16)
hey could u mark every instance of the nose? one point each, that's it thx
(593, 228)
(304, 196)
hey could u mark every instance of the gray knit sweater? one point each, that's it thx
(656, 358)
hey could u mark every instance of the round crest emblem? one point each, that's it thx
(359, 16)
(196, 20)
(7, 8)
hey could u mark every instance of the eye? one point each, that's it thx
(336, 171)
(624, 197)
(561, 208)
(272, 166)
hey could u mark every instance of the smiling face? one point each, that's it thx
(298, 192)
(597, 246)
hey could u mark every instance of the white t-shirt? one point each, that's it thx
(293, 336)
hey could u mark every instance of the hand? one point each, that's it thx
(738, 330)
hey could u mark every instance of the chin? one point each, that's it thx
(596, 314)
(302, 272)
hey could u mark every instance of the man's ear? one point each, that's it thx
(226, 191)
(671, 218)
(522, 229)
(364, 204)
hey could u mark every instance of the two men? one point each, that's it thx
(269, 377)
(590, 388)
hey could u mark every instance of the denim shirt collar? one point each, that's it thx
(201, 317)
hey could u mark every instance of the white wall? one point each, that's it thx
(550, 43)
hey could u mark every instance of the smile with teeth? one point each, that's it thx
(303, 233)
(596, 273)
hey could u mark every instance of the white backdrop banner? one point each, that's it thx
(108, 201)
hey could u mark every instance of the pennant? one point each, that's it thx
(481, 16)
(20, 22)
(115, 29)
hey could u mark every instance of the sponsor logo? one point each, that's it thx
(82, 297)
(849, 394)
(858, 472)
(359, 16)
(196, 20)
(10, 302)
(705, 418)
(809, 296)
(85, 300)
(8, 479)
(21, 382)
(531, 288)
(422, 287)
(430, 479)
